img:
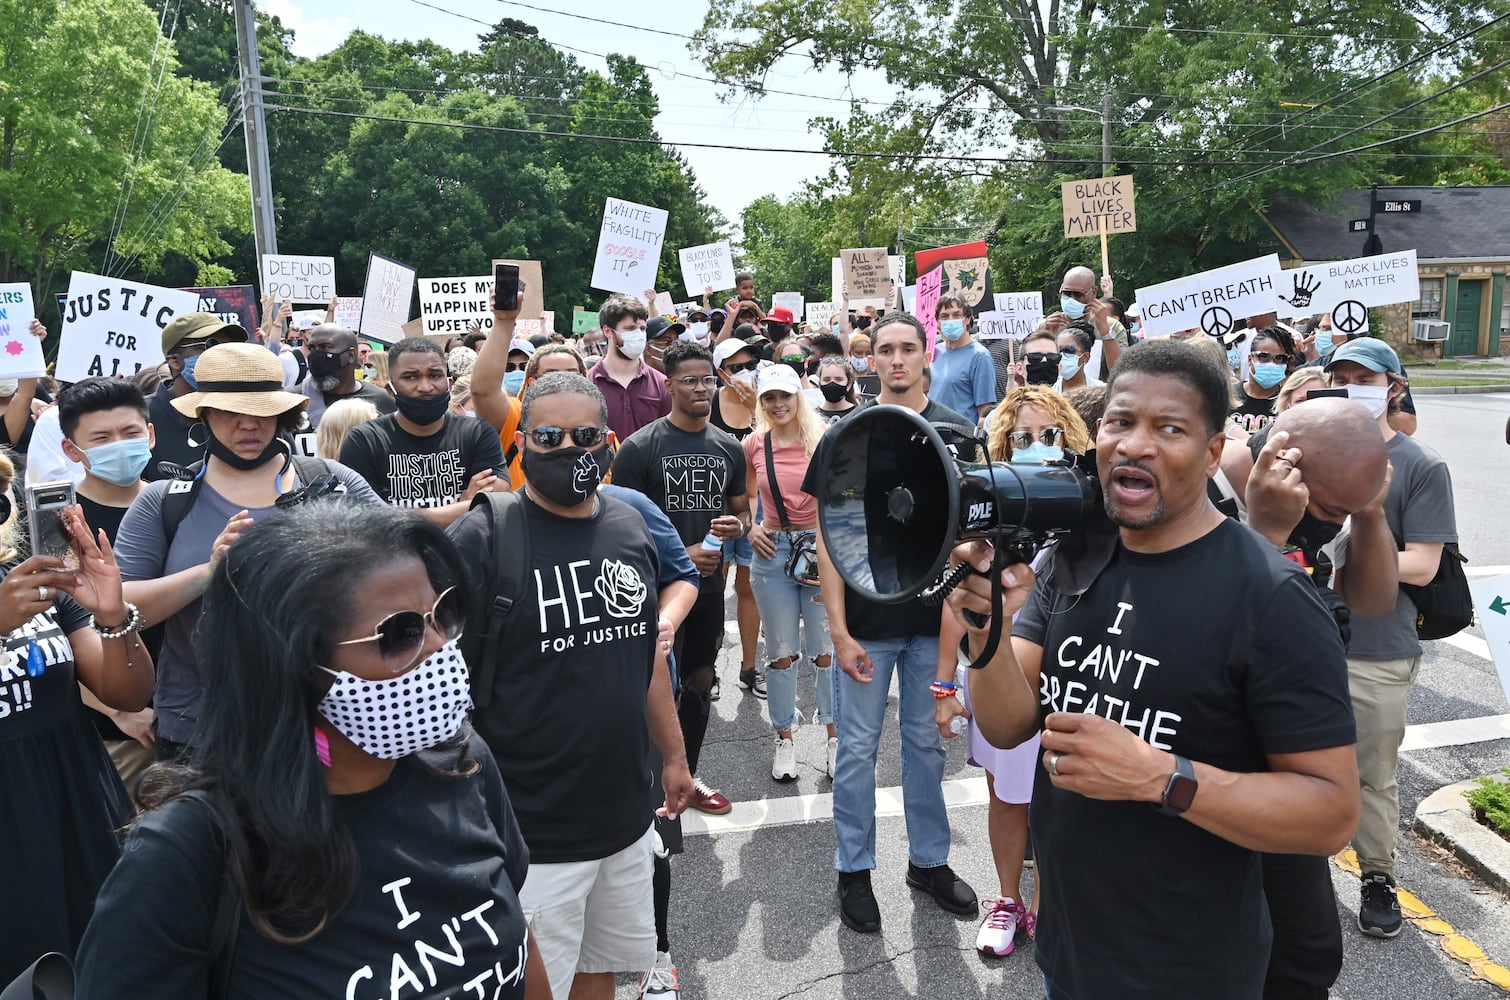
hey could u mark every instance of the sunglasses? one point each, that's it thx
(582, 437)
(1049, 436)
(400, 637)
(1265, 358)
(793, 357)
(516, 366)
(1039, 357)
(735, 367)
(1077, 296)
(833, 361)
(1072, 351)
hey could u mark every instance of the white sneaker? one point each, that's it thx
(998, 932)
(661, 980)
(784, 767)
(833, 754)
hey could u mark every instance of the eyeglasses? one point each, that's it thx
(735, 367)
(1078, 296)
(400, 637)
(582, 437)
(1264, 358)
(1039, 357)
(516, 366)
(693, 381)
(1024, 439)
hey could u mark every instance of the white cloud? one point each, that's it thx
(312, 36)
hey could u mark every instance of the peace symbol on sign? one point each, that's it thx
(1216, 321)
(1350, 316)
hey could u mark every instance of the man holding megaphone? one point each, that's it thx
(1191, 690)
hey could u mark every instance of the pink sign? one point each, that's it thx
(930, 287)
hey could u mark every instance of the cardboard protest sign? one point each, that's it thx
(451, 305)
(970, 279)
(20, 352)
(866, 273)
(386, 298)
(584, 320)
(548, 320)
(1211, 301)
(114, 327)
(1099, 205)
(1015, 316)
(296, 278)
(930, 288)
(533, 281)
(349, 312)
(629, 247)
(231, 303)
(1349, 288)
(896, 266)
(820, 314)
(708, 266)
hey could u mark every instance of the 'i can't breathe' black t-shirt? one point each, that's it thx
(1219, 651)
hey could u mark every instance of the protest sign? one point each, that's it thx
(791, 300)
(524, 329)
(230, 303)
(20, 352)
(708, 266)
(584, 320)
(866, 273)
(1211, 301)
(349, 312)
(548, 320)
(930, 287)
(926, 260)
(629, 247)
(820, 314)
(896, 266)
(386, 298)
(1098, 206)
(1015, 315)
(451, 305)
(533, 282)
(1349, 288)
(295, 278)
(114, 327)
(662, 306)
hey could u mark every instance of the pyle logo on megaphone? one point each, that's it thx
(981, 513)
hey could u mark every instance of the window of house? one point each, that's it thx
(1429, 306)
(1505, 319)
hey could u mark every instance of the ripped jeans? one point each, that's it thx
(784, 604)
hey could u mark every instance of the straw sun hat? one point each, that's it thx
(239, 378)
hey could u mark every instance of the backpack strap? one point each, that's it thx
(509, 560)
(227, 921)
(176, 502)
(310, 469)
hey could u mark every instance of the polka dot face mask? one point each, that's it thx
(414, 711)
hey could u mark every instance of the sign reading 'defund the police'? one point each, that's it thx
(1384, 280)
(629, 247)
(295, 278)
(114, 327)
(1211, 301)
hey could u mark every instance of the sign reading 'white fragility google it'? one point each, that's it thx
(1211, 301)
(629, 247)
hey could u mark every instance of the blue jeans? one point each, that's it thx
(783, 604)
(860, 713)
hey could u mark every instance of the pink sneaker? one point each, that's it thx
(998, 932)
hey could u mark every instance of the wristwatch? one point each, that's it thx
(1180, 792)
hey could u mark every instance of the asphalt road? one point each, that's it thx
(754, 915)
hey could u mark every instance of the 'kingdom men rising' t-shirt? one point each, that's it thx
(691, 475)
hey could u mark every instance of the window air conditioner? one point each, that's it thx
(1430, 329)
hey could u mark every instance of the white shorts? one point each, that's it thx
(593, 916)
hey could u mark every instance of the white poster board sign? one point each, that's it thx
(629, 247)
(819, 314)
(295, 278)
(450, 305)
(1015, 316)
(385, 298)
(349, 312)
(791, 300)
(708, 266)
(1349, 288)
(20, 352)
(114, 327)
(1211, 301)
(1491, 604)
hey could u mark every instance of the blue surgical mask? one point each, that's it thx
(1069, 366)
(1036, 454)
(1234, 357)
(1269, 375)
(119, 463)
(1073, 308)
(1323, 342)
(952, 329)
(513, 381)
(189, 364)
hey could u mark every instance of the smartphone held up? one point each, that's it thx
(46, 506)
(506, 287)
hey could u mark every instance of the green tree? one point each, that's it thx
(786, 244)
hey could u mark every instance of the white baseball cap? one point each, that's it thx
(778, 378)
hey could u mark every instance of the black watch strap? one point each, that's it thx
(1179, 793)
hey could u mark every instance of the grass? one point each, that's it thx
(1444, 380)
(1490, 803)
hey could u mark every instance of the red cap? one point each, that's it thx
(780, 314)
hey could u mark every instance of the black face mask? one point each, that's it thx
(1043, 373)
(862, 323)
(423, 410)
(323, 363)
(222, 451)
(776, 331)
(1312, 533)
(566, 476)
(834, 391)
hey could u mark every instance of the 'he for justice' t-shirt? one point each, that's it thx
(690, 475)
(1219, 651)
(407, 470)
(567, 718)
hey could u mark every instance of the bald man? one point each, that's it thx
(1077, 300)
(332, 377)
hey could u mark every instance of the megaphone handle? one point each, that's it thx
(1001, 558)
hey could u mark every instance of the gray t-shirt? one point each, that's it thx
(1419, 509)
(141, 551)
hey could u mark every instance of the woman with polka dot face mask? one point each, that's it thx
(335, 779)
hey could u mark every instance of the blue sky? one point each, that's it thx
(690, 110)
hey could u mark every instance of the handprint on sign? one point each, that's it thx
(1306, 284)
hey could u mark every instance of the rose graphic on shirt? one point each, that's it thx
(621, 588)
(585, 474)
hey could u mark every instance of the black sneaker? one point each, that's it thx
(752, 681)
(1379, 916)
(947, 889)
(857, 904)
(713, 692)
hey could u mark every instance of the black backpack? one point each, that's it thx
(181, 493)
(510, 561)
(1444, 606)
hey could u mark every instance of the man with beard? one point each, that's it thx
(1191, 689)
(332, 377)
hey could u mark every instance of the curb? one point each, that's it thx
(1458, 390)
(1444, 816)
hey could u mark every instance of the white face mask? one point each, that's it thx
(1374, 397)
(374, 716)
(634, 342)
(746, 378)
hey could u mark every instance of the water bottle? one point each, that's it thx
(958, 724)
(712, 542)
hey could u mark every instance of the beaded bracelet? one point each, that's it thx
(943, 689)
(132, 623)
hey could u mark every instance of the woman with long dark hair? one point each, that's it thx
(338, 820)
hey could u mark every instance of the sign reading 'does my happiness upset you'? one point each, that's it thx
(707, 266)
(293, 278)
(450, 305)
(1211, 301)
(629, 247)
(114, 327)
